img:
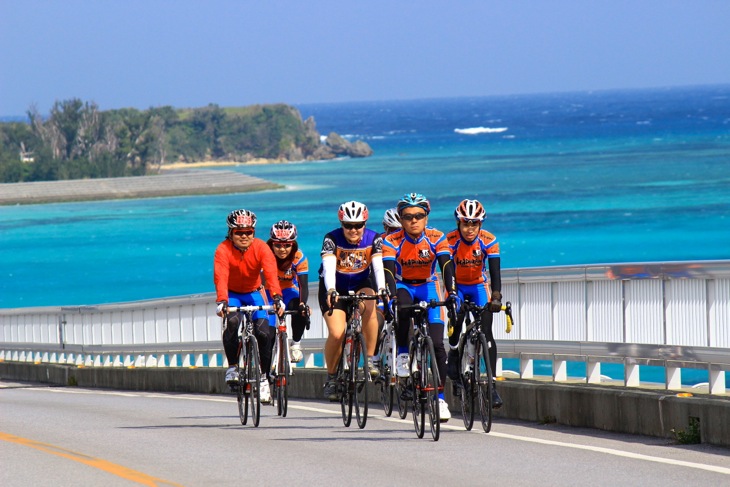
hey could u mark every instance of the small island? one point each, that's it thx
(79, 141)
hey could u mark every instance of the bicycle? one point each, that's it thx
(424, 380)
(249, 364)
(352, 374)
(281, 368)
(388, 380)
(475, 371)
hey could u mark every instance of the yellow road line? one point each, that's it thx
(109, 467)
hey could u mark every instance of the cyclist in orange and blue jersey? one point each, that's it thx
(410, 257)
(473, 252)
(350, 254)
(238, 264)
(293, 270)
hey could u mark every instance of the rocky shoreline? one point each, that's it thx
(173, 183)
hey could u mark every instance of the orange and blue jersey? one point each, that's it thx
(470, 259)
(288, 278)
(415, 260)
(470, 264)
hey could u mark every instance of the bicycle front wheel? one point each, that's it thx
(419, 398)
(243, 391)
(360, 378)
(484, 381)
(253, 377)
(466, 390)
(281, 380)
(430, 383)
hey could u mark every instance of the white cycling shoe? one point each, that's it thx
(444, 413)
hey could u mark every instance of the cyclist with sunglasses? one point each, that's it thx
(237, 267)
(410, 256)
(293, 269)
(473, 251)
(350, 254)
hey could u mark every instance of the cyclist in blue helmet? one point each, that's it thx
(410, 258)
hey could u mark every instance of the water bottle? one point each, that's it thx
(348, 347)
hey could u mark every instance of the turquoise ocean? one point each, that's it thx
(569, 178)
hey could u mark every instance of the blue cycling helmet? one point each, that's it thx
(413, 199)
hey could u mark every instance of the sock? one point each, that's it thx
(402, 350)
(441, 396)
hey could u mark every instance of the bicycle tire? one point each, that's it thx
(484, 381)
(430, 383)
(419, 400)
(253, 377)
(242, 391)
(281, 380)
(360, 376)
(386, 373)
(466, 389)
(402, 403)
(343, 385)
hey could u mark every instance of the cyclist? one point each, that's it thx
(473, 251)
(237, 266)
(350, 254)
(410, 256)
(293, 269)
(391, 221)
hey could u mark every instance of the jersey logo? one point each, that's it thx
(476, 252)
(351, 260)
(424, 253)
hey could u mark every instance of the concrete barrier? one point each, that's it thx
(618, 409)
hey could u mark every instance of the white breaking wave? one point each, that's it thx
(481, 130)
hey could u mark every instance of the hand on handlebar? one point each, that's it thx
(495, 304)
(331, 300)
(221, 308)
(279, 305)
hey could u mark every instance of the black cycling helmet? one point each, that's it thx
(241, 219)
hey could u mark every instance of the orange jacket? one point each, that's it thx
(240, 271)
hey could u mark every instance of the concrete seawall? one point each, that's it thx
(618, 409)
(180, 183)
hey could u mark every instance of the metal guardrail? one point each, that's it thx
(674, 315)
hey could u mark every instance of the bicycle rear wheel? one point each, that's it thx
(430, 383)
(387, 372)
(419, 397)
(402, 403)
(253, 376)
(360, 376)
(343, 385)
(484, 381)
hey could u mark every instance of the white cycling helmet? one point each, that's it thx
(470, 210)
(390, 218)
(353, 212)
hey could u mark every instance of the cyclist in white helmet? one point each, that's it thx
(350, 254)
(474, 251)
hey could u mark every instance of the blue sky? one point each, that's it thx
(142, 53)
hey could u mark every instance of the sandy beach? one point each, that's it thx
(190, 165)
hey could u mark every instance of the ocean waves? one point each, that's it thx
(481, 130)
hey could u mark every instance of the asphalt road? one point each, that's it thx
(69, 436)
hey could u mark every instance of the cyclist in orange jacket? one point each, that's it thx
(237, 266)
(474, 251)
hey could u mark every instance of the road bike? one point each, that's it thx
(281, 369)
(249, 363)
(352, 376)
(424, 380)
(388, 380)
(476, 377)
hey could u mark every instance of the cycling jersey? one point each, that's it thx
(470, 258)
(237, 271)
(289, 277)
(352, 261)
(415, 260)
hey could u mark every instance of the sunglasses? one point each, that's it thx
(243, 233)
(413, 216)
(353, 226)
(469, 222)
(283, 245)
